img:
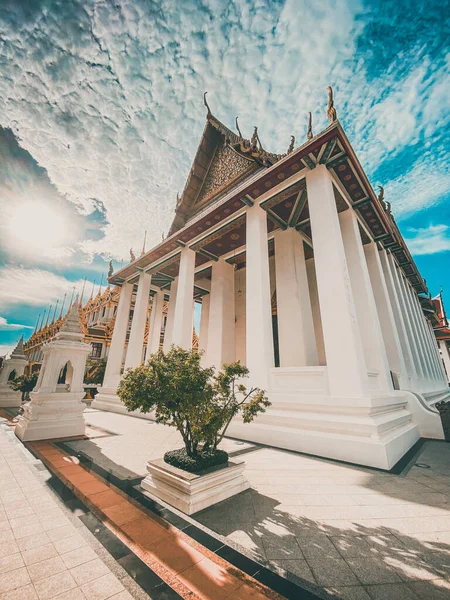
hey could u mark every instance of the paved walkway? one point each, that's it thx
(359, 533)
(43, 554)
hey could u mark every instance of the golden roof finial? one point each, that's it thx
(62, 306)
(291, 145)
(143, 245)
(239, 131)
(100, 286)
(381, 197)
(310, 134)
(206, 104)
(132, 255)
(331, 111)
(111, 269)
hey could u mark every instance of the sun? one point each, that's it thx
(37, 227)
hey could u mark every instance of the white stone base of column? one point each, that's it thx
(375, 431)
(52, 416)
(9, 398)
(108, 400)
(190, 492)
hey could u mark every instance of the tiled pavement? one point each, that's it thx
(46, 553)
(359, 533)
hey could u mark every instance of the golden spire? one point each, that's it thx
(291, 145)
(49, 311)
(82, 291)
(110, 270)
(62, 306)
(310, 134)
(42, 320)
(92, 291)
(143, 245)
(54, 312)
(71, 300)
(37, 321)
(100, 286)
(331, 111)
(239, 131)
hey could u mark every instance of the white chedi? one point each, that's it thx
(55, 409)
(13, 367)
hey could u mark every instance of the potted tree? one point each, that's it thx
(24, 384)
(200, 404)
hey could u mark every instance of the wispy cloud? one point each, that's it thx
(33, 287)
(429, 240)
(5, 325)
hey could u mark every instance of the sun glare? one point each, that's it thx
(37, 227)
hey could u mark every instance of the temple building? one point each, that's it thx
(304, 277)
(442, 331)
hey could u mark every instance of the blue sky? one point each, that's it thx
(101, 114)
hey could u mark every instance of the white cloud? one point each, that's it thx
(429, 240)
(5, 325)
(114, 110)
(5, 349)
(34, 287)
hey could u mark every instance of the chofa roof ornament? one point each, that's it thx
(206, 104)
(331, 111)
(310, 134)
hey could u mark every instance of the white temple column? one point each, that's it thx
(168, 330)
(366, 311)
(156, 319)
(221, 335)
(296, 337)
(443, 375)
(259, 335)
(184, 306)
(116, 350)
(137, 333)
(204, 322)
(388, 267)
(426, 350)
(412, 326)
(315, 307)
(445, 357)
(385, 314)
(346, 367)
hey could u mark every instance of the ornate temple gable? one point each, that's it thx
(227, 169)
(223, 160)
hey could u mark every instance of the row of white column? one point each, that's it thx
(369, 320)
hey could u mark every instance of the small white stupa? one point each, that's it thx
(13, 367)
(55, 409)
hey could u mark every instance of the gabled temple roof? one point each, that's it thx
(223, 160)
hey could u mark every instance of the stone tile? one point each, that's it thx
(33, 541)
(333, 571)
(88, 571)
(284, 549)
(27, 530)
(91, 487)
(50, 524)
(437, 589)
(14, 579)
(45, 568)
(106, 499)
(11, 562)
(391, 591)
(78, 556)
(73, 594)
(122, 596)
(123, 513)
(25, 592)
(372, 571)
(298, 567)
(54, 585)
(68, 544)
(34, 555)
(318, 546)
(8, 547)
(61, 533)
(353, 592)
(102, 588)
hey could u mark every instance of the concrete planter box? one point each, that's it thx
(191, 492)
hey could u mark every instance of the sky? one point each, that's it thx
(101, 112)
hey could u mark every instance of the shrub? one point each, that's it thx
(24, 384)
(195, 464)
(192, 398)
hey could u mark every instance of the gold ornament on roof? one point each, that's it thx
(331, 111)
(310, 134)
(111, 269)
(132, 255)
(206, 104)
(239, 131)
(291, 145)
(381, 196)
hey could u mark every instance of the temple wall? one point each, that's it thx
(314, 296)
